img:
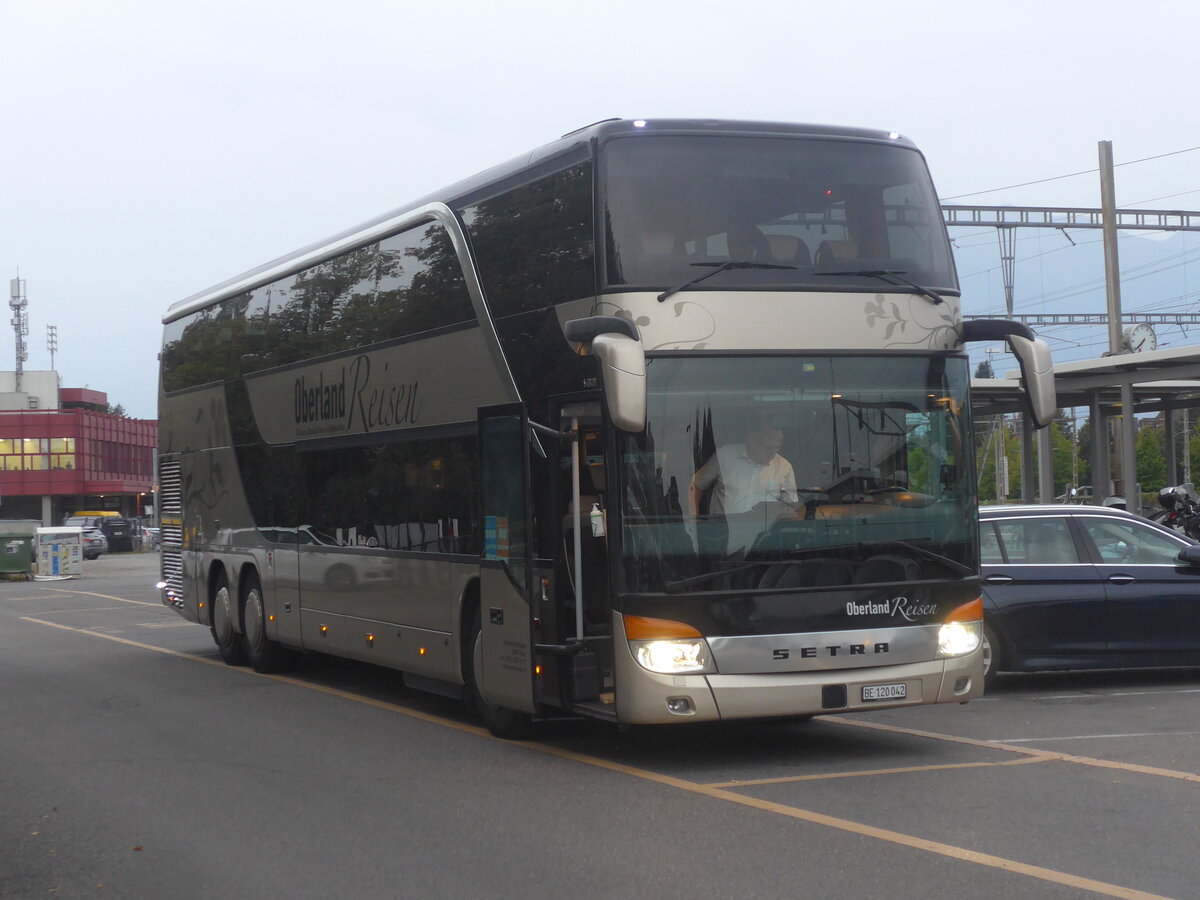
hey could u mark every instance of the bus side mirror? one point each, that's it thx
(623, 366)
(617, 344)
(1037, 371)
(1033, 356)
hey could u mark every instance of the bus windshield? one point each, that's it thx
(816, 214)
(765, 473)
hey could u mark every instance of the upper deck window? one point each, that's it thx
(675, 205)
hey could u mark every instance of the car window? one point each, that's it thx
(989, 545)
(1131, 542)
(1043, 540)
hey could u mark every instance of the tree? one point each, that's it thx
(984, 370)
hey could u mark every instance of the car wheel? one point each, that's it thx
(91, 556)
(500, 721)
(993, 655)
(229, 642)
(264, 654)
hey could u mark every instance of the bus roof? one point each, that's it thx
(598, 132)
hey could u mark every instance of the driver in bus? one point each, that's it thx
(745, 476)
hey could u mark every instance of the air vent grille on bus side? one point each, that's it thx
(170, 498)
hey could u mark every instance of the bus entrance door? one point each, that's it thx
(584, 605)
(505, 663)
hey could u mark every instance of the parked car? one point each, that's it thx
(117, 531)
(94, 543)
(1086, 587)
(151, 537)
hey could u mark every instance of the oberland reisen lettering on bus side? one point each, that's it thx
(374, 408)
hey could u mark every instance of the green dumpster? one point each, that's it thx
(17, 537)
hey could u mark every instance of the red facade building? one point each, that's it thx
(55, 462)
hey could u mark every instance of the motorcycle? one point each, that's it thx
(1180, 510)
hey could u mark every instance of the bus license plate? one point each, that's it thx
(884, 692)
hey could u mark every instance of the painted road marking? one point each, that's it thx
(717, 793)
(1093, 737)
(1095, 694)
(1028, 751)
(868, 772)
(104, 597)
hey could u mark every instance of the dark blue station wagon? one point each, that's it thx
(1086, 587)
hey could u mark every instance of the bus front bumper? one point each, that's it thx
(645, 697)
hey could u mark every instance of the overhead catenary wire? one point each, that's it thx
(1068, 175)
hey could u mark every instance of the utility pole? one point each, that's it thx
(1126, 460)
(20, 323)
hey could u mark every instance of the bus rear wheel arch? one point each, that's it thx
(263, 654)
(222, 610)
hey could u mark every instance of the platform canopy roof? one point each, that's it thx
(1161, 379)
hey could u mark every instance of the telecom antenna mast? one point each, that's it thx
(52, 342)
(20, 324)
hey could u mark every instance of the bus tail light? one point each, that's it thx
(962, 631)
(667, 647)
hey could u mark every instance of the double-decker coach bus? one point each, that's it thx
(665, 421)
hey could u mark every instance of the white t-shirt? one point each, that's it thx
(742, 483)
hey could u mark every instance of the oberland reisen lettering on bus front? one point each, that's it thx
(374, 408)
(909, 610)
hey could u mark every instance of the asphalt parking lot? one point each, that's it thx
(1063, 785)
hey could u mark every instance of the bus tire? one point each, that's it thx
(264, 654)
(505, 723)
(993, 655)
(229, 643)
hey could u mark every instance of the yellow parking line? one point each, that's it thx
(1024, 751)
(717, 793)
(104, 597)
(867, 772)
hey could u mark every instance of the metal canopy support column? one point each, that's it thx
(1101, 477)
(1045, 465)
(1133, 501)
(1027, 491)
(1169, 451)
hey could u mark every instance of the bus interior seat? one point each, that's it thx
(834, 253)
(887, 567)
(789, 250)
(810, 573)
(748, 244)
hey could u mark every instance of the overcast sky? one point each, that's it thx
(149, 149)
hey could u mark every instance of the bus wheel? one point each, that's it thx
(265, 655)
(229, 642)
(500, 721)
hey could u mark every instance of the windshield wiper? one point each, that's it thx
(891, 277)
(719, 267)
(674, 587)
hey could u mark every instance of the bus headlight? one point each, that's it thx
(962, 632)
(959, 638)
(667, 647)
(671, 657)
